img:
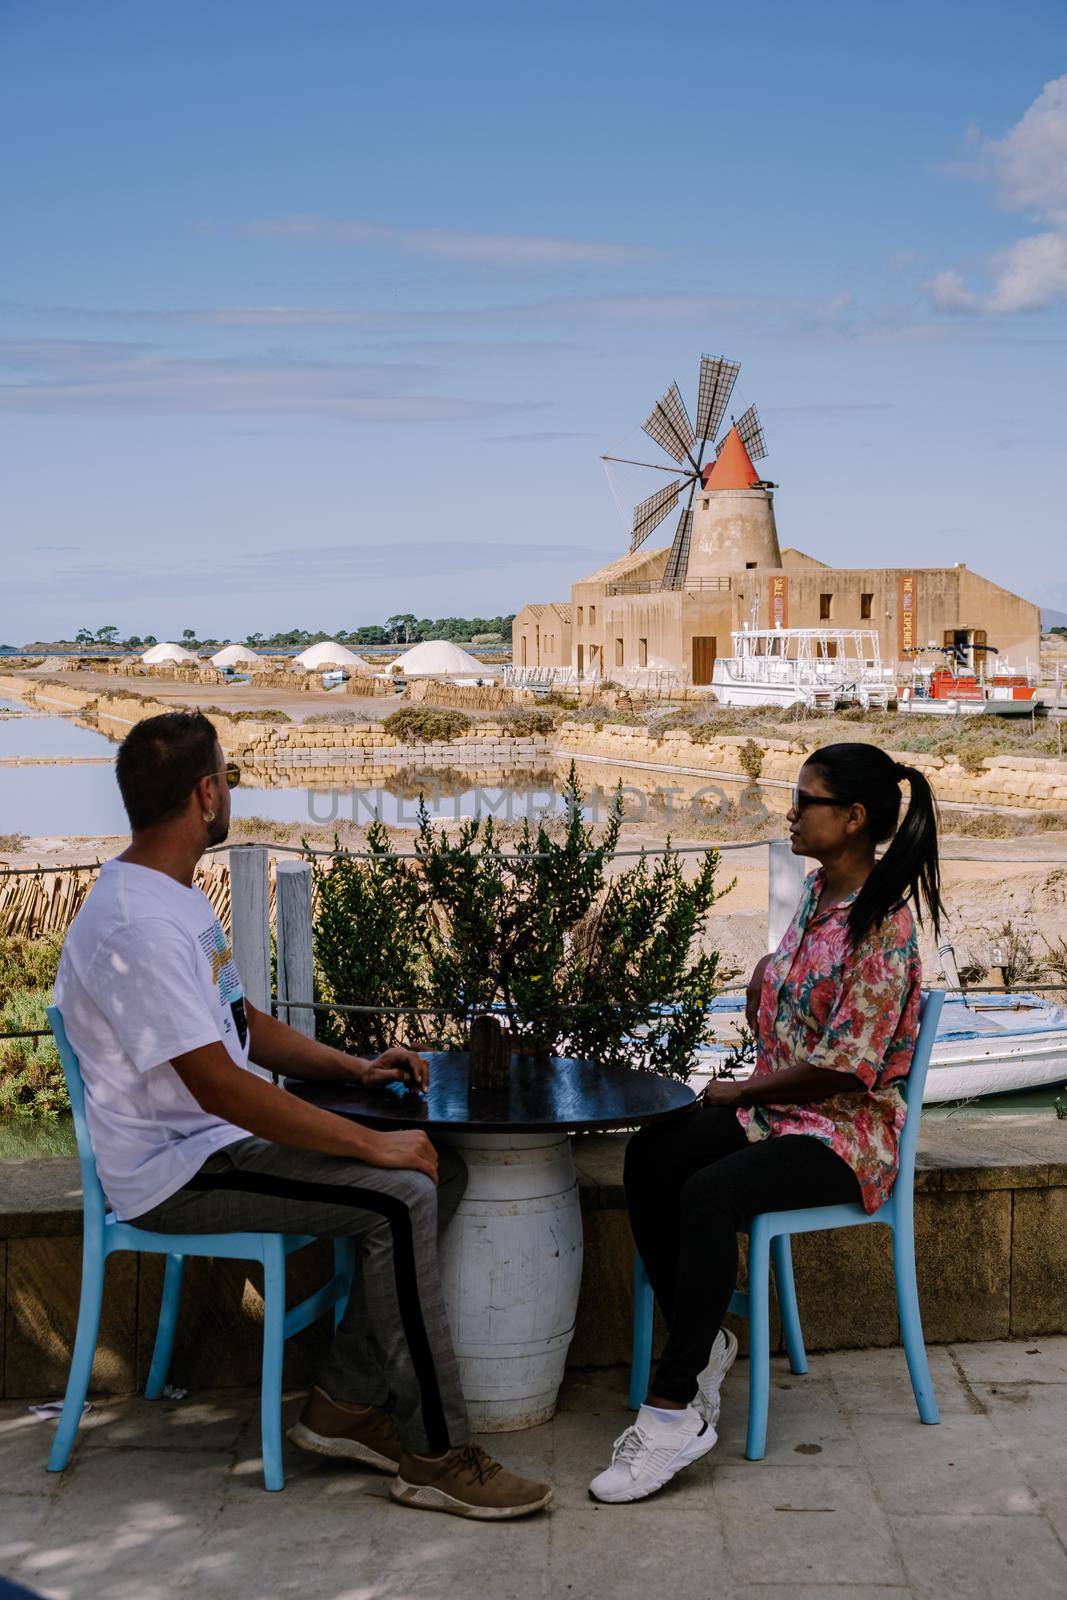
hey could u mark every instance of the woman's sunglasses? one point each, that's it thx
(802, 799)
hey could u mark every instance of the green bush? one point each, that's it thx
(426, 724)
(526, 721)
(750, 756)
(582, 962)
(31, 1078)
(28, 963)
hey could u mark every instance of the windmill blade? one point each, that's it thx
(668, 423)
(678, 560)
(717, 379)
(651, 512)
(750, 432)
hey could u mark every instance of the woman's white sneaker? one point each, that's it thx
(723, 1356)
(650, 1453)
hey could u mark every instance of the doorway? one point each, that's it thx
(704, 654)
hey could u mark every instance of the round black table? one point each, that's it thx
(546, 1094)
(511, 1260)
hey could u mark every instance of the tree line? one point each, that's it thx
(401, 628)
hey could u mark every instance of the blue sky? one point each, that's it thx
(311, 313)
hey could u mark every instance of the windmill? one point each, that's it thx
(668, 425)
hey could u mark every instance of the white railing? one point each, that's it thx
(541, 677)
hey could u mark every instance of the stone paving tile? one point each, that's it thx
(201, 1421)
(677, 1549)
(982, 1558)
(805, 1423)
(1031, 1418)
(121, 1525)
(962, 1466)
(25, 1441)
(821, 1525)
(22, 1518)
(1042, 1360)
(823, 1591)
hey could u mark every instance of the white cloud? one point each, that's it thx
(494, 249)
(1030, 162)
(1028, 166)
(1032, 274)
(949, 292)
(49, 375)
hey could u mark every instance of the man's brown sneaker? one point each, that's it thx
(467, 1483)
(347, 1433)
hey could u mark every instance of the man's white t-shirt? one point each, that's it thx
(147, 974)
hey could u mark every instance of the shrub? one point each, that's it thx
(246, 716)
(12, 841)
(750, 756)
(526, 721)
(28, 962)
(581, 963)
(31, 1078)
(426, 724)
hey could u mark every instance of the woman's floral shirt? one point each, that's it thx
(826, 1005)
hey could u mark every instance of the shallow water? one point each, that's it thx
(50, 736)
(84, 800)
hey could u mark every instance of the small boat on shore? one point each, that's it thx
(988, 1044)
(961, 684)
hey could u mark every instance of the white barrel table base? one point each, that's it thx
(511, 1268)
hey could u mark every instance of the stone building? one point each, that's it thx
(674, 609)
(541, 635)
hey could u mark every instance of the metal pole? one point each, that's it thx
(250, 921)
(295, 969)
(785, 881)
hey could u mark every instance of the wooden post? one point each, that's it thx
(250, 921)
(785, 880)
(295, 975)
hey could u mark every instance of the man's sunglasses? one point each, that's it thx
(231, 772)
(802, 799)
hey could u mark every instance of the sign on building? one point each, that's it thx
(779, 608)
(906, 628)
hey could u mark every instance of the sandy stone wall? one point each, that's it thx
(469, 696)
(1026, 782)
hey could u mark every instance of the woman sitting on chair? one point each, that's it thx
(835, 1011)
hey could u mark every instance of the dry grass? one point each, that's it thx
(10, 843)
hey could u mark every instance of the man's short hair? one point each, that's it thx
(159, 763)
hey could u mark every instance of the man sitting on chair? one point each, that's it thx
(191, 1136)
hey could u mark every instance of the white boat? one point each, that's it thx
(988, 1044)
(818, 668)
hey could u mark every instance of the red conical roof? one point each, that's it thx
(733, 469)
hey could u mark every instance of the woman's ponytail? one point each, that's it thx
(910, 870)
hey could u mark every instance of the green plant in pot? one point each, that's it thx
(583, 956)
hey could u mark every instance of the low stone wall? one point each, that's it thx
(1024, 782)
(991, 1232)
(467, 696)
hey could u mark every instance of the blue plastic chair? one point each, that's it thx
(769, 1244)
(103, 1235)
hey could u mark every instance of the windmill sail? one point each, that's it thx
(717, 379)
(750, 432)
(651, 512)
(668, 423)
(678, 560)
